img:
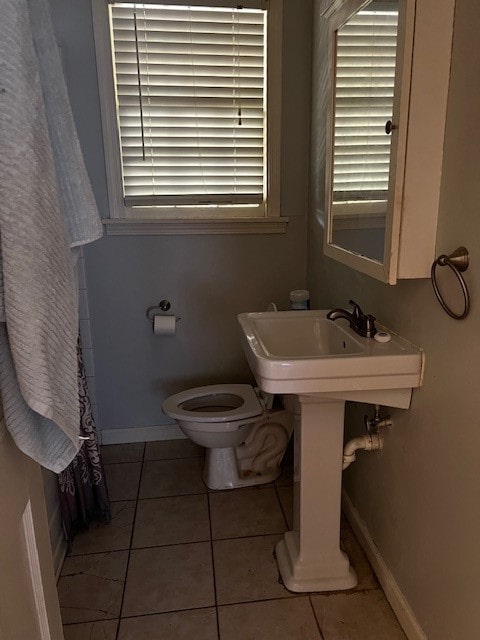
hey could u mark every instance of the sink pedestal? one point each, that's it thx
(309, 557)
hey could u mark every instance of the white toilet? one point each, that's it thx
(245, 439)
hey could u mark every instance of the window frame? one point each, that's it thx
(125, 220)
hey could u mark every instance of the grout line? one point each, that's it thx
(292, 596)
(176, 495)
(315, 616)
(281, 508)
(160, 613)
(251, 535)
(114, 464)
(176, 458)
(138, 615)
(202, 493)
(76, 624)
(151, 459)
(213, 567)
(179, 544)
(131, 542)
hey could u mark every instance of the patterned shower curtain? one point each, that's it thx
(82, 487)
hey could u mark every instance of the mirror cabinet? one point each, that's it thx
(389, 69)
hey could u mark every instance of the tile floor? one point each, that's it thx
(180, 562)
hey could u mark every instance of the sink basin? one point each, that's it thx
(307, 336)
(304, 352)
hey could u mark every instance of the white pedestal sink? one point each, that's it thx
(324, 364)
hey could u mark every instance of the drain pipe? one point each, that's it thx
(369, 442)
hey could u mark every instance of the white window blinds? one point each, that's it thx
(191, 103)
(365, 78)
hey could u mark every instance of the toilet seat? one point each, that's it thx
(240, 402)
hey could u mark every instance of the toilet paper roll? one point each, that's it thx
(164, 325)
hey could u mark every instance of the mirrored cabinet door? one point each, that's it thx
(373, 70)
(364, 52)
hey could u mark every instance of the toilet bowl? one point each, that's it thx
(244, 440)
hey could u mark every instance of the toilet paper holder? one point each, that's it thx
(159, 309)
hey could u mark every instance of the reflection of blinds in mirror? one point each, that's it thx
(190, 90)
(364, 87)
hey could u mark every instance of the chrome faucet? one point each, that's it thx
(362, 324)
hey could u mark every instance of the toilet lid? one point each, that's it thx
(214, 403)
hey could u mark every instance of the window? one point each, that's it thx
(190, 111)
(366, 50)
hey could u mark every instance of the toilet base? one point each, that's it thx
(221, 471)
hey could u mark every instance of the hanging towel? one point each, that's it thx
(42, 214)
(77, 202)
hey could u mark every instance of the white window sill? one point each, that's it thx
(179, 226)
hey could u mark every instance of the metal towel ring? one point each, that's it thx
(458, 262)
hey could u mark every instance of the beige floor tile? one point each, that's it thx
(163, 521)
(107, 537)
(132, 452)
(356, 616)
(245, 512)
(106, 630)
(182, 625)
(358, 559)
(169, 579)
(289, 619)
(169, 449)
(90, 587)
(246, 570)
(172, 478)
(122, 480)
(285, 494)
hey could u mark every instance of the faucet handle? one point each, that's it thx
(370, 328)
(357, 310)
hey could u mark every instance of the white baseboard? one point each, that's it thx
(142, 434)
(392, 591)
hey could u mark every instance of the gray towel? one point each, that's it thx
(42, 214)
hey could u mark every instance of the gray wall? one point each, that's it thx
(420, 497)
(208, 279)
